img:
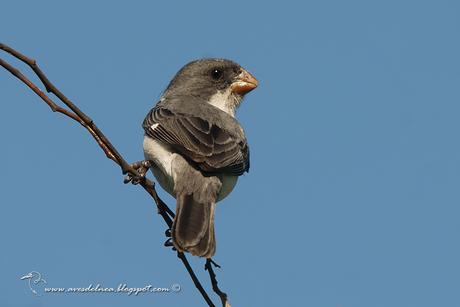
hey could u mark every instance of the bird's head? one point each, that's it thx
(220, 82)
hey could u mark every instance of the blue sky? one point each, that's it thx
(353, 194)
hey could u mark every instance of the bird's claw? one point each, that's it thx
(169, 243)
(141, 167)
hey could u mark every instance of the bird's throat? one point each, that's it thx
(226, 101)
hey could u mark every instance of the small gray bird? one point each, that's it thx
(196, 147)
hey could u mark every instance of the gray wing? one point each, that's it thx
(212, 148)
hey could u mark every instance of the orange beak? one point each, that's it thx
(245, 82)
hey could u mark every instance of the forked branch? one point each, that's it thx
(110, 151)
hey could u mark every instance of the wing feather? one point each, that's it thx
(212, 148)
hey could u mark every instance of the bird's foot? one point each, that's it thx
(169, 243)
(141, 167)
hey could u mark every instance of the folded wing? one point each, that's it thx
(210, 145)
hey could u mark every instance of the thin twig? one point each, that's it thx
(33, 87)
(110, 151)
(182, 257)
(215, 287)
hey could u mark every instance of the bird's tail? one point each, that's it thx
(193, 226)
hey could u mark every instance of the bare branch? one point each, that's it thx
(182, 257)
(110, 151)
(54, 107)
(215, 287)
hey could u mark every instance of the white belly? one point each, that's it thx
(162, 158)
(228, 183)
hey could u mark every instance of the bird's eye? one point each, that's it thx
(217, 73)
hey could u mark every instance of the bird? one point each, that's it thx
(196, 148)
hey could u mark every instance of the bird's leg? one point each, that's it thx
(141, 167)
(168, 242)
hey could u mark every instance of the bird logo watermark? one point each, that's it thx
(39, 286)
(34, 279)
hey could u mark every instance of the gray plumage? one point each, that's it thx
(207, 136)
(198, 149)
(196, 195)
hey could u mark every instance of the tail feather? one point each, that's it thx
(193, 227)
(207, 246)
(191, 222)
(196, 196)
